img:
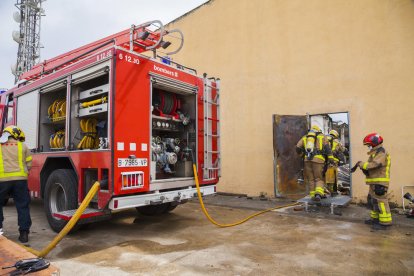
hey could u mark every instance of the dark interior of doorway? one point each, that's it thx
(340, 122)
(288, 166)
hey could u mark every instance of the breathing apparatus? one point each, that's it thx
(310, 142)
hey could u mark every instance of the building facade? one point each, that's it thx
(297, 57)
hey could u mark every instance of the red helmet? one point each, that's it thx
(373, 139)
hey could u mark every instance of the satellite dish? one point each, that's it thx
(16, 36)
(17, 17)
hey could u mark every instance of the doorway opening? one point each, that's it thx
(288, 165)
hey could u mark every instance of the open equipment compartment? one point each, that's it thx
(173, 132)
(89, 109)
(52, 126)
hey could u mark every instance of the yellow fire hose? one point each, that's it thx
(71, 223)
(89, 140)
(234, 223)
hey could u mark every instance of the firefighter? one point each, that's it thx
(331, 176)
(377, 171)
(15, 163)
(315, 149)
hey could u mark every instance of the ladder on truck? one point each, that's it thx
(138, 39)
(211, 103)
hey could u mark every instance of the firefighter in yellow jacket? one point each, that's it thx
(315, 149)
(331, 176)
(15, 163)
(377, 171)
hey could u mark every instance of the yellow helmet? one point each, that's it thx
(316, 129)
(334, 133)
(14, 132)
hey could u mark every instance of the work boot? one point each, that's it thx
(371, 221)
(24, 236)
(380, 227)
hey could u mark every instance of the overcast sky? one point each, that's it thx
(69, 24)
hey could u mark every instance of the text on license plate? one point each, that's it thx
(137, 162)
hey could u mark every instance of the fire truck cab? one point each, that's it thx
(108, 112)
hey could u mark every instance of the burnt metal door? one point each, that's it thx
(287, 131)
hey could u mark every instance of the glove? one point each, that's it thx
(366, 172)
(353, 169)
(299, 150)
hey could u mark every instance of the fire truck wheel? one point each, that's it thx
(61, 194)
(155, 210)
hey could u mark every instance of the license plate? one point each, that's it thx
(137, 162)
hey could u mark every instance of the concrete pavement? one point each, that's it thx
(185, 243)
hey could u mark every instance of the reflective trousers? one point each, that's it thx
(20, 192)
(380, 208)
(312, 173)
(331, 178)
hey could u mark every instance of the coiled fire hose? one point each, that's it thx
(57, 140)
(57, 109)
(71, 223)
(200, 198)
(89, 140)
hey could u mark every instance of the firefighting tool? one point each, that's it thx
(200, 198)
(14, 132)
(88, 128)
(26, 266)
(94, 102)
(71, 223)
(57, 140)
(410, 213)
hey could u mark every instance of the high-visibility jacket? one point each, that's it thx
(321, 148)
(378, 167)
(15, 160)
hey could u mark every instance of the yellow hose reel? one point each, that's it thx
(57, 110)
(89, 140)
(57, 140)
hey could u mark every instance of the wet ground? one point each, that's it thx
(285, 242)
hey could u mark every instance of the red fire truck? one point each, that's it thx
(117, 112)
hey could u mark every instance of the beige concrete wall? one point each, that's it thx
(294, 57)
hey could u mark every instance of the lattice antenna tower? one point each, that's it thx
(28, 37)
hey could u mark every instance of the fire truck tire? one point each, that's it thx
(61, 194)
(156, 210)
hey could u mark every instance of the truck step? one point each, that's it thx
(88, 213)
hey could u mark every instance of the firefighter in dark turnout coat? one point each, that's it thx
(377, 171)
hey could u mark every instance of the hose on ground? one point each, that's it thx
(200, 198)
(71, 223)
